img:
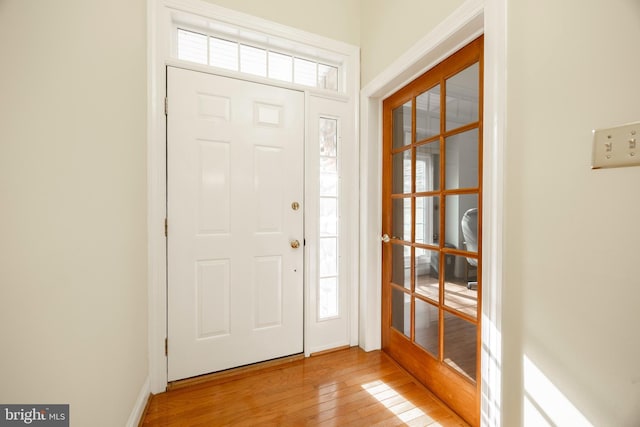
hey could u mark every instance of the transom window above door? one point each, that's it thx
(221, 52)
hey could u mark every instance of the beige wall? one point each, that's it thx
(337, 19)
(572, 232)
(73, 196)
(389, 28)
(72, 190)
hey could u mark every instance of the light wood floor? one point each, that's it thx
(344, 388)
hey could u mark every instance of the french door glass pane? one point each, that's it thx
(462, 234)
(426, 273)
(427, 221)
(428, 114)
(401, 170)
(462, 160)
(401, 265)
(428, 167)
(427, 326)
(401, 311)
(402, 125)
(457, 294)
(401, 216)
(460, 338)
(463, 97)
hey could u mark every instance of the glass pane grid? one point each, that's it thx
(230, 55)
(328, 289)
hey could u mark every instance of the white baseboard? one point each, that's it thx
(141, 403)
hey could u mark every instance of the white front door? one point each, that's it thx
(234, 173)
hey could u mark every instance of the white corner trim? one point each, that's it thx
(141, 403)
(457, 30)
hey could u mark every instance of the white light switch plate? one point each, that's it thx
(616, 147)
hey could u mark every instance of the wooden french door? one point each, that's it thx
(432, 234)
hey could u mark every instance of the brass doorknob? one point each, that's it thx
(295, 244)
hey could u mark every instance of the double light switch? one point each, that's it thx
(616, 147)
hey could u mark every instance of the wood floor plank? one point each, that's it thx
(342, 388)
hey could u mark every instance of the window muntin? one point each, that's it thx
(254, 60)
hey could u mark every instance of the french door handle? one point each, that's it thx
(385, 238)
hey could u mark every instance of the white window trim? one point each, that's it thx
(471, 19)
(159, 55)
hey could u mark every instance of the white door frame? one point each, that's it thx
(471, 19)
(160, 14)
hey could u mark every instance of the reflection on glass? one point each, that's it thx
(328, 298)
(428, 167)
(401, 265)
(426, 273)
(463, 97)
(327, 77)
(328, 164)
(328, 216)
(328, 256)
(455, 234)
(457, 293)
(426, 327)
(327, 301)
(401, 170)
(329, 184)
(401, 311)
(328, 137)
(462, 160)
(401, 217)
(402, 125)
(428, 114)
(427, 220)
(460, 350)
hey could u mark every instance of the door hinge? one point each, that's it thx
(166, 106)
(166, 346)
(166, 227)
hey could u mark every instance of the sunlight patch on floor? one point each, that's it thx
(393, 401)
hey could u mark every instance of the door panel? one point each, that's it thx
(234, 167)
(432, 209)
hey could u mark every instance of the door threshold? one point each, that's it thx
(233, 373)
